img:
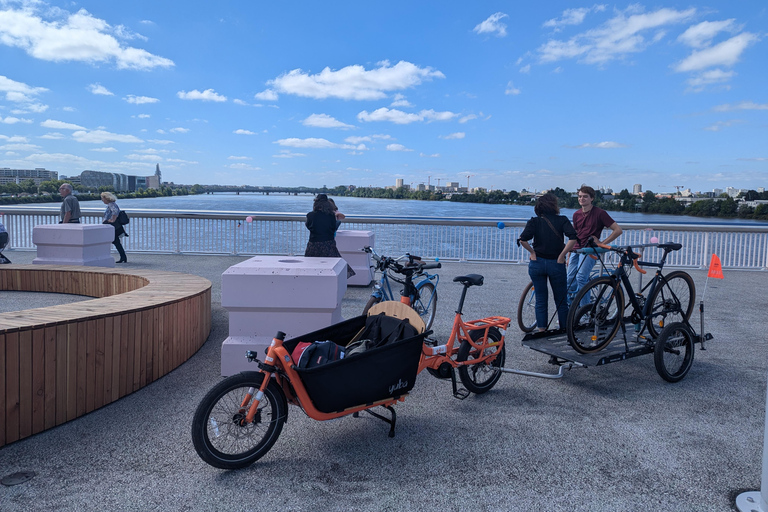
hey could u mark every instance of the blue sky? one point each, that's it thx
(502, 95)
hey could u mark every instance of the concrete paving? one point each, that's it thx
(615, 437)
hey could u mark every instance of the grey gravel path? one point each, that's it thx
(613, 438)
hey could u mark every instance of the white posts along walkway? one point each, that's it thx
(201, 232)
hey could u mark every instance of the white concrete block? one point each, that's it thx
(74, 244)
(233, 353)
(266, 294)
(350, 244)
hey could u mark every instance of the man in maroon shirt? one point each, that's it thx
(589, 223)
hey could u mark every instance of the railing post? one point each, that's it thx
(705, 251)
(757, 501)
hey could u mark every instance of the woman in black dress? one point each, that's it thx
(321, 223)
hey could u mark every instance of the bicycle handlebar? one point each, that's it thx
(622, 249)
(414, 262)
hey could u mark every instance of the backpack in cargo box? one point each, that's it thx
(309, 355)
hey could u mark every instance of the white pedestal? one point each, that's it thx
(74, 244)
(266, 294)
(350, 244)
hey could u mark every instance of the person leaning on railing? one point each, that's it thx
(110, 217)
(547, 230)
(70, 206)
(589, 222)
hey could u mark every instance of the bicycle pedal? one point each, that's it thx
(461, 393)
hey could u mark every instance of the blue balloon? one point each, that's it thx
(500, 225)
(437, 259)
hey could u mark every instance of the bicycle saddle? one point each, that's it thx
(671, 247)
(469, 280)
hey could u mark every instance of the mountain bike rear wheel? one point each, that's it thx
(672, 301)
(591, 327)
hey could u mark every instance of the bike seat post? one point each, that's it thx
(463, 296)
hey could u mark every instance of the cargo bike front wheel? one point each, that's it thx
(221, 434)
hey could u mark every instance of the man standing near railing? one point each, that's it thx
(70, 207)
(589, 223)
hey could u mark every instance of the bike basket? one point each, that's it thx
(385, 371)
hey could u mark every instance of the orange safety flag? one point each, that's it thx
(715, 268)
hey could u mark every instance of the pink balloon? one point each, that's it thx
(249, 219)
(654, 239)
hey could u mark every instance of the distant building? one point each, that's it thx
(38, 175)
(93, 180)
(637, 189)
(398, 182)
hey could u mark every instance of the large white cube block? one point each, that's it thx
(266, 294)
(74, 244)
(350, 244)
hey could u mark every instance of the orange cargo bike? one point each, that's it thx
(240, 418)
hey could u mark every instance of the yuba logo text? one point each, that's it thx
(400, 385)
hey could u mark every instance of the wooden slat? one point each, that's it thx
(98, 382)
(90, 365)
(38, 380)
(72, 371)
(4, 368)
(62, 369)
(50, 377)
(11, 387)
(25, 384)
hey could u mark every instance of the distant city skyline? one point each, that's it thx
(501, 95)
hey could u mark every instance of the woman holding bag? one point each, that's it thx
(547, 230)
(110, 217)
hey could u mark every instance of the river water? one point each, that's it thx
(250, 204)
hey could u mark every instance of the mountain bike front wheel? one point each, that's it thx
(591, 327)
(371, 302)
(672, 301)
(526, 309)
(426, 304)
(220, 433)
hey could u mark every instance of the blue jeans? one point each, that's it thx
(579, 268)
(540, 269)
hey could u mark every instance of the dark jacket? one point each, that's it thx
(547, 242)
(321, 226)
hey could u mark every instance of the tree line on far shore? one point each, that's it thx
(27, 192)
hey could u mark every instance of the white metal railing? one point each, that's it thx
(205, 232)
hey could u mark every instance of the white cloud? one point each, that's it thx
(239, 158)
(511, 89)
(160, 141)
(713, 76)
(206, 95)
(143, 116)
(237, 101)
(179, 130)
(325, 121)
(353, 82)
(105, 150)
(726, 53)
(468, 117)
(526, 69)
(701, 35)
(434, 155)
(100, 90)
(11, 86)
(52, 136)
(397, 147)
(722, 124)
(20, 147)
(572, 17)
(13, 138)
(243, 167)
(744, 105)
(286, 153)
(102, 136)
(14, 120)
(60, 125)
(316, 144)
(243, 132)
(600, 145)
(400, 117)
(616, 38)
(180, 161)
(268, 95)
(400, 101)
(140, 100)
(453, 136)
(54, 34)
(144, 158)
(493, 25)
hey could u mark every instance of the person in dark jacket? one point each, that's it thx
(548, 253)
(321, 223)
(110, 217)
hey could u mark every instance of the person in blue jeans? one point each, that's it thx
(548, 253)
(589, 222)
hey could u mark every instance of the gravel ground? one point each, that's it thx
(615, 437)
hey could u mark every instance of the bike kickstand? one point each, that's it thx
(459, 393)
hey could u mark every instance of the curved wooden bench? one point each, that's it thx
(61, 362)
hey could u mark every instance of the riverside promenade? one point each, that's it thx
(611, 438)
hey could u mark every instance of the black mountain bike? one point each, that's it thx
(665, 299)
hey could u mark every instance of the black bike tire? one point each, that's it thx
(575, 312)
(521, 305)
(430, 317)
(468, 373)
(653, 327)
(663, 350)
(201, 439)
(371, 302)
